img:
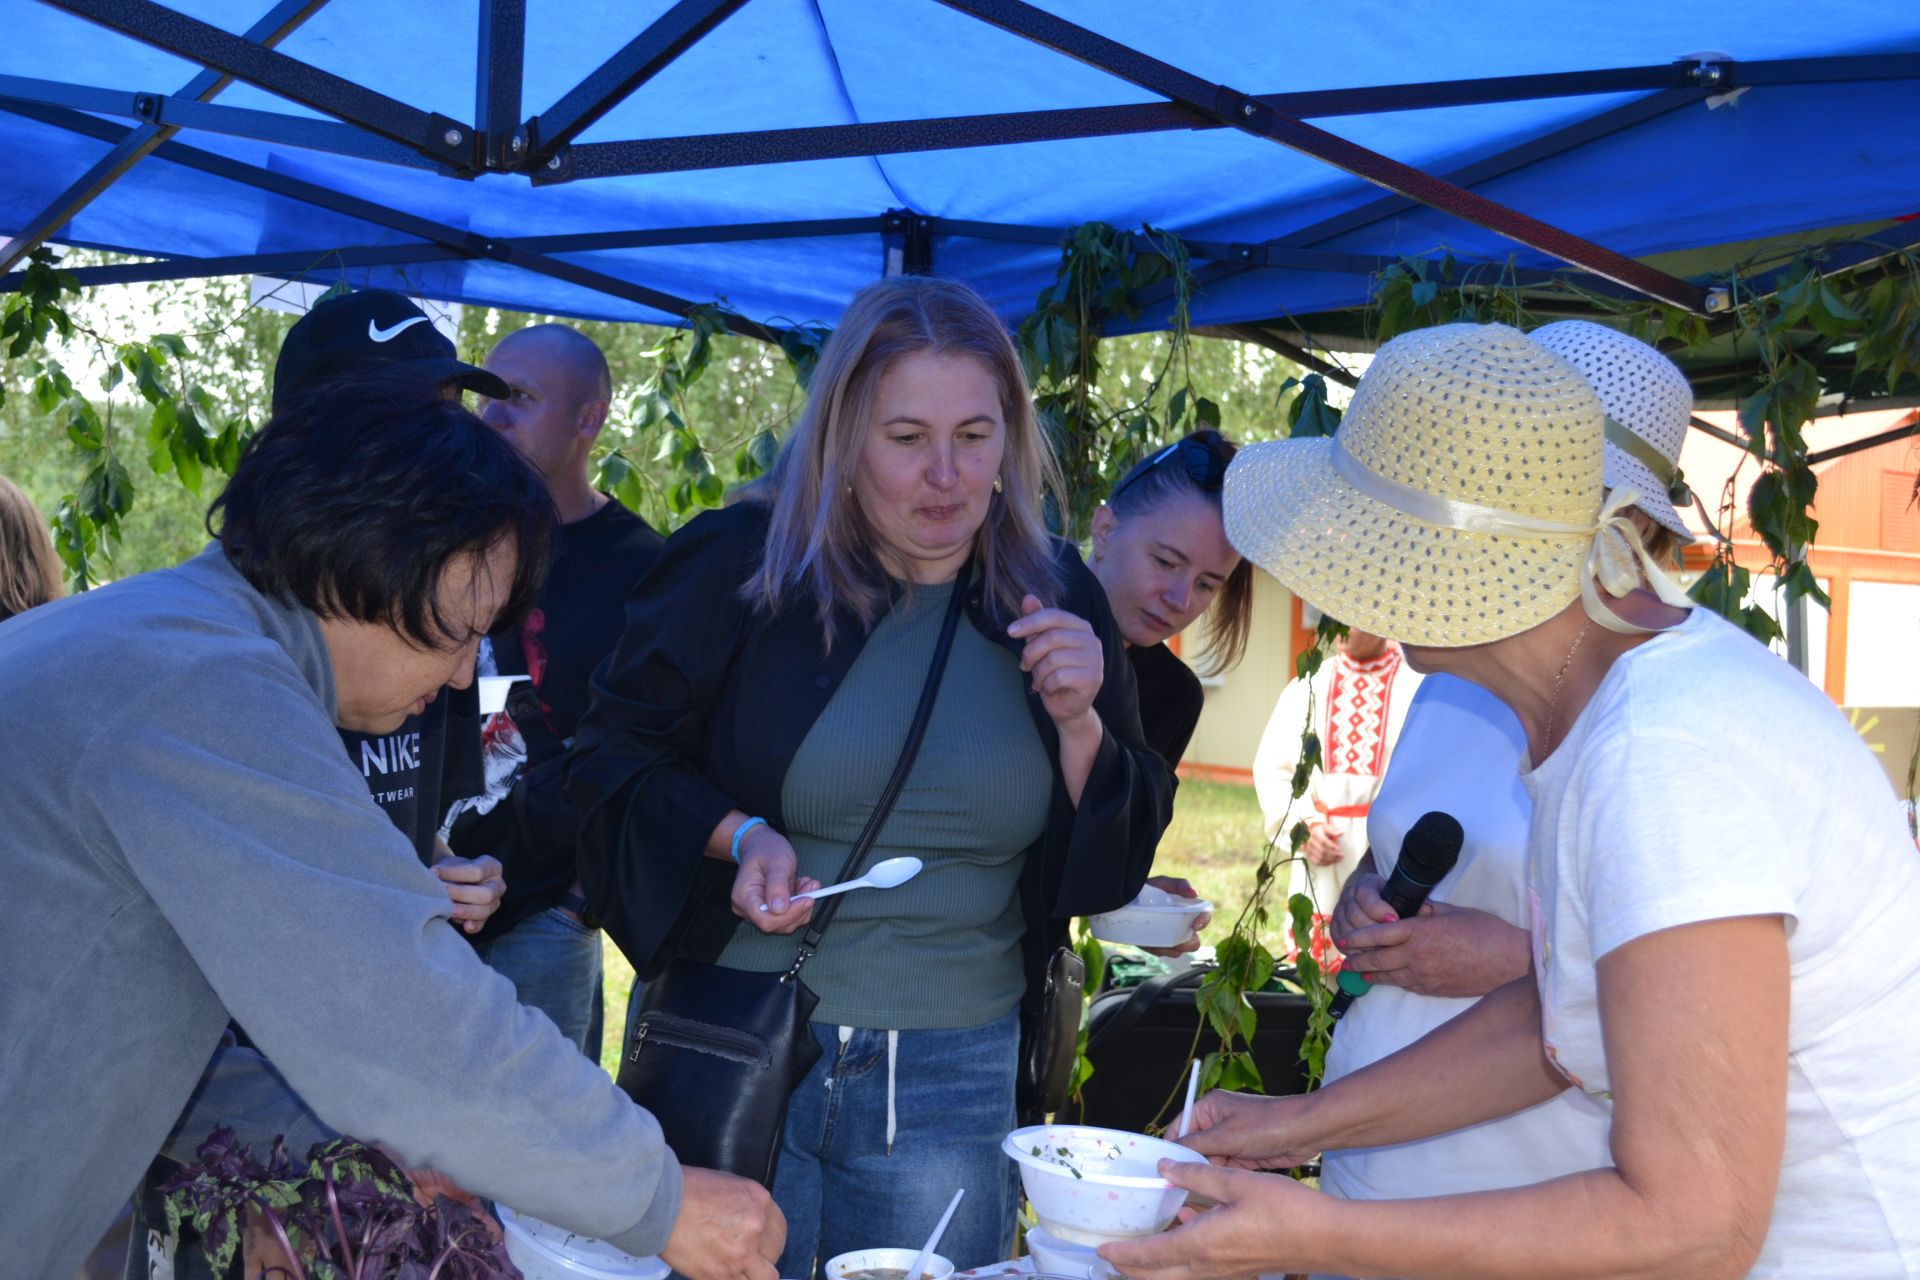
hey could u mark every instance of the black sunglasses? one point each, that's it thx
(1205, 467)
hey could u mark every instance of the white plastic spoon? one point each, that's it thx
(933, 1241)
(882, 875)
(1193, 1086)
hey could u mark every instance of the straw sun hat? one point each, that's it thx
(1460, 502)
(1648, 405)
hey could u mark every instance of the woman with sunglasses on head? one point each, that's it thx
(1162, 557)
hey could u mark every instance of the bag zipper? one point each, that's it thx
(701, 1037)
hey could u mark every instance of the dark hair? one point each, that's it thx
(1196, 463)
(354, 498)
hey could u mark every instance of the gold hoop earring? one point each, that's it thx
(996, 484)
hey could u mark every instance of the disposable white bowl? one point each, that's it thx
(543, 1251)
(840, 1266)
(1055, 1256)
(493, 692)
(1089, 1186)
(1155, 918)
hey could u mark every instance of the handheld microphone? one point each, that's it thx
(1431, 847)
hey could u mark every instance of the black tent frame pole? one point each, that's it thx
(243, 122)
(468, 243)
(1252, 116)
(590, 160)
(1262, 336)
(306, 262)
(946, 133)
(1534, 150)
(1861, 446)
(657, 237)
(293, 264)
(436, 136)
(645, 56)
(316, 259)
(500, 61)
(278, 23)
(1705, 428)
(1547, 145)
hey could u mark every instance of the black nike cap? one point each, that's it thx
(361, 331)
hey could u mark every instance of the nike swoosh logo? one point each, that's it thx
(378, 334)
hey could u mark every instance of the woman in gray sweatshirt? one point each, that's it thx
(184, 843)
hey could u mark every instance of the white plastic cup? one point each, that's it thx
(1057, 1257)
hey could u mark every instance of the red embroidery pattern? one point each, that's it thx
(1321, 948)
(1359, 700)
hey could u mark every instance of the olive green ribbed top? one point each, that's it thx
(943, 949)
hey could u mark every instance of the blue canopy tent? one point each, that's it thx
(625, 160)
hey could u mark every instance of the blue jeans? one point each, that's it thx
(841, 1188)
(553, 962)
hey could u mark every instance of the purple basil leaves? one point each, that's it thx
(349, 1214)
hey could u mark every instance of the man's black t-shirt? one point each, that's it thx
(525, 819)
(430, 761)
(1170, 700)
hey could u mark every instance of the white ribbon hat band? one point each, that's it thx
(1617, 559)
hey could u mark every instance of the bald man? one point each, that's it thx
(559, 391)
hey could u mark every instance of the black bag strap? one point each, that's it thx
(824, 912)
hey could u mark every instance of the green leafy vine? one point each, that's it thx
(182, 436)
(1096, 439)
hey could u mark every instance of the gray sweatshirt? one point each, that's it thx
(182, 840)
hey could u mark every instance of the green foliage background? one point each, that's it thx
(673, 443)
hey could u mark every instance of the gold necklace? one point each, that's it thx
(1559, 678)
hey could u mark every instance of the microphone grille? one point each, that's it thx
(1431, 847)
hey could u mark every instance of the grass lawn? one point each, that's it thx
(1214, 841)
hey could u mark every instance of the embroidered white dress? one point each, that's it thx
(1358, 708)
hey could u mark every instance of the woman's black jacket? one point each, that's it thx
(700, 709)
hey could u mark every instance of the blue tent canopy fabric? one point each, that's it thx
(1787, 149)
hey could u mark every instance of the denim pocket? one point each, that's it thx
(570, 920)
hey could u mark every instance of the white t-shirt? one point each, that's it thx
(1461, 751)
(1706, 780)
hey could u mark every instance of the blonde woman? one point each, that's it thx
(753, 711)
(29, 569)
(1706, 828)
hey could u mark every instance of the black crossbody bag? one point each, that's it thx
(716, 1052)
